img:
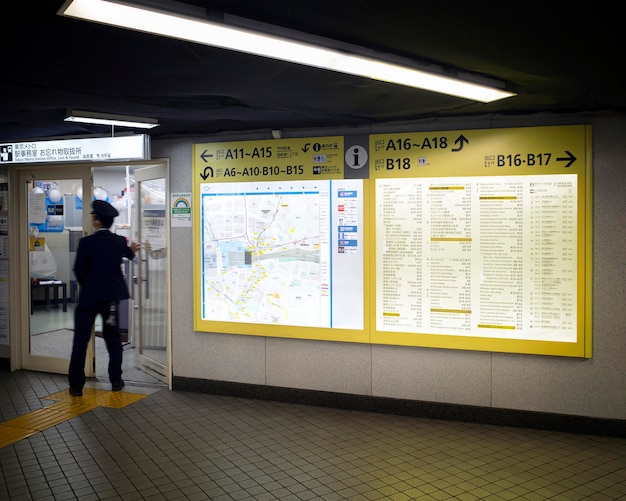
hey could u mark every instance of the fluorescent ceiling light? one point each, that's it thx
(91, 117)
(205, 32)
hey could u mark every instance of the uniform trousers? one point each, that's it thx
(84, 318)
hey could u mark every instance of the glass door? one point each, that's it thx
(52, 221)
(152, 284)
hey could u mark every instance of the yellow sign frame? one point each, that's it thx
(528, 151)
(503, 152)
(318, 158)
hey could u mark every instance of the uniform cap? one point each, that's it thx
(102, 208)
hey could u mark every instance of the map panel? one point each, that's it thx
(266, 253)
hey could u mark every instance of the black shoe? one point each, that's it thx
(76, 393)
(117, 385)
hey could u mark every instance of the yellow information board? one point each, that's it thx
(481, 152)
(269, 160)
(482, 239)
(467, 239)
(279, 241)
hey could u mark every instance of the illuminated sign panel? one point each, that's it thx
(475, 264)
(274, 160)
(472, 239)
(279, 242)
(481, 239)
(135, 147)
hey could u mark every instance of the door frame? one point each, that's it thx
(145, 363)
(19, 288)
(19, 274)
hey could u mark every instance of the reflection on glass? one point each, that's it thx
(153, 237)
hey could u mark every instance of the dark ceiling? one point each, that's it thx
(559, 57)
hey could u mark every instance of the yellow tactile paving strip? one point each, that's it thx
(99, 398)
(66, 407)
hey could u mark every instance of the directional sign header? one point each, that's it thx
(136, 147)
(482, 152)
(269, 160)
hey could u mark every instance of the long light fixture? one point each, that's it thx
(92, 117)
(183, 27)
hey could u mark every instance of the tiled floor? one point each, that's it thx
(188, 446)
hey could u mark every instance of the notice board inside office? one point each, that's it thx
(467, 239)
(279, 240)
(483, 239)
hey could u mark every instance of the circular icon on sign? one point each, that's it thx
(356, 157)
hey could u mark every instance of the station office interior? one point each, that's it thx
(561, 393)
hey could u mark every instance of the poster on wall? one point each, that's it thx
(180, 204)
(279, 242)
(46, 207)
(482, 239)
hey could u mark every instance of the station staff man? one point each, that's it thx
(102, 286)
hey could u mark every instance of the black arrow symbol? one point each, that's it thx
(208, 172)
(569, 157)
(205, 155)
(461, 140)
(305, 148)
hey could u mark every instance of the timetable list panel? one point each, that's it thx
(491, 256)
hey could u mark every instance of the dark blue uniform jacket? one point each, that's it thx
(98, 267)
